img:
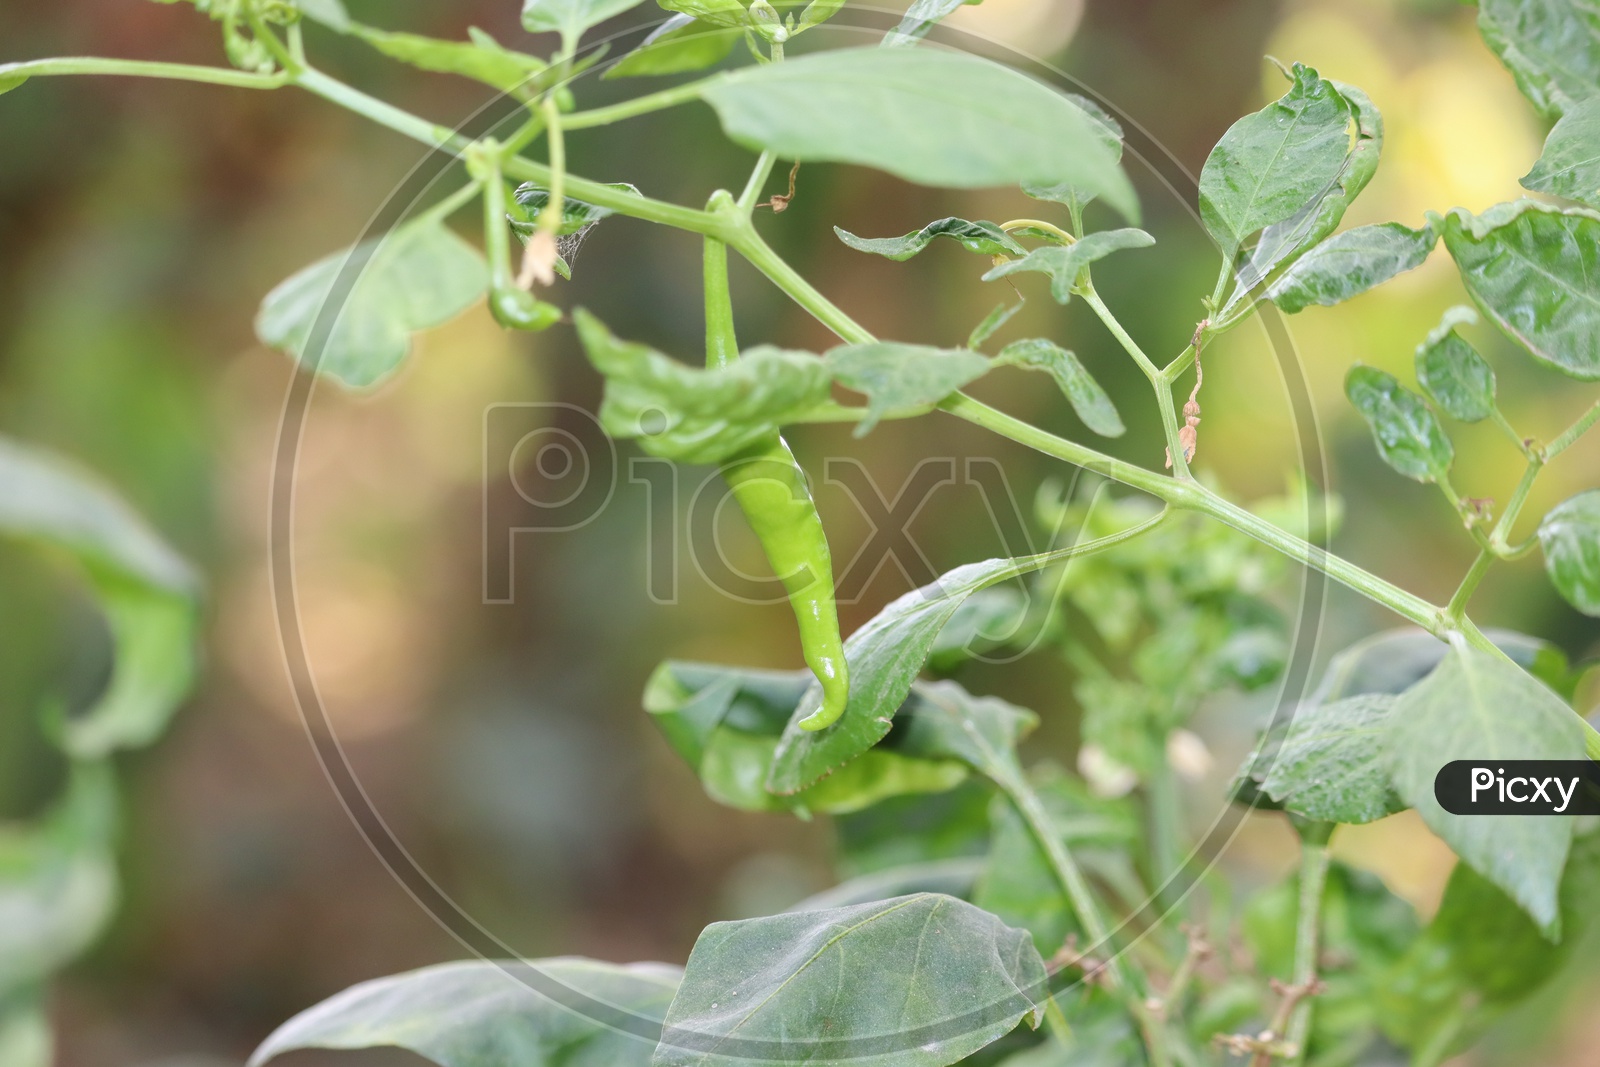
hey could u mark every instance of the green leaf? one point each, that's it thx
(58, 881)
(1535, 271)
(1271, 164)
(564, 1012)
(725, 722)
(991, 322)
(1332, 766)
(1074, 197)
(699, 416)
(483, 59)
(570, 18)
(915, 981)
(935, 118)
(1285, 241)
(1570, 537)
(1551, 47)
(817, 12)
(9, 82)
(725, 13)
(982, 237)
(1064, 263)
(679, 45)
(1477, 706)
(1570, 164)
(1350, 263)
(1452, 372)
(987, 619)
(362, 306)
(885, 657)
(1407, 432)
(945, 721)
(736, 764)
(894, 375)
(1088, 400)
(920, 17)
(147, 592)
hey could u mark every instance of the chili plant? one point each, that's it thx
(988, 894)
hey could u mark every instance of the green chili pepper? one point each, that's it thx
(771, 490)
(511, 305)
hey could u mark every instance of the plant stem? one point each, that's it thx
(757, 181)
(1308, 927)
(1163, 389)
(138, 68)
(1560, 444)
(639, 105)
(722, 343)
(1191, 496)
(1026, 801)
(749, 244)
(1458, 602)
(550, 217)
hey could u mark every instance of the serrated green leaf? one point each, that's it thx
(1088, 399)
(885, 657)
(1477, 706)
(1332, 766)
(564, 1012)
(570, 18)
(1066, 193)
(1271, 164)
(1570, 538)
(984, 238)
(894, 375)
(1407, 433)
(935, 118)
(791, 988)
(1283, 242)
(1350, 263)
(147, 592)
(363, 305)
(1551, 47)
(1535, 271)
(692, 415)
(679, 45)
(482, 59)
(1570, 164)
(58, 881)
(1064, 263)
(1452, 372)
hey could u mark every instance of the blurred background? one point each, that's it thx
(500, 735)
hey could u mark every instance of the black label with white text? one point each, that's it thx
(1519, 787)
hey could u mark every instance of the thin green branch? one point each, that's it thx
(1176, 453)
(137, 68)
(1308, 927)
(756, 182)
(1572, 433)
(1457, 607)
(639, 105)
